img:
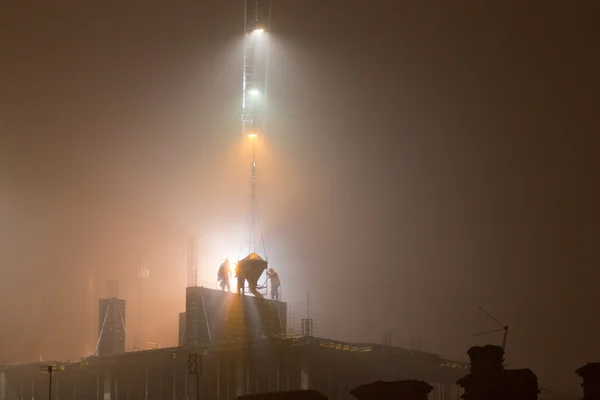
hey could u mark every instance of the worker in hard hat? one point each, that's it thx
(275, 283)
(241, 279)
(224, 274)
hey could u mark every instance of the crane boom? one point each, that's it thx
(503, 328)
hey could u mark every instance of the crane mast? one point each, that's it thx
(256, 52)
(257, 16)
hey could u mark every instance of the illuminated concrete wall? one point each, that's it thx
(216, 317)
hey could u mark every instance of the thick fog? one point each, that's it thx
(420, 160)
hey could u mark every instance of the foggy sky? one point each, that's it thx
(421, 160)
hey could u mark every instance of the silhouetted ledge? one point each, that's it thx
(408, 389)
(290, 395)
(486, 359)
(509, 384)
(589, 370)
(590, 373)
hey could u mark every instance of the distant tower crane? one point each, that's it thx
(503, 328)
(254, 91)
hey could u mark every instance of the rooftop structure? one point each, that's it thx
(409, 389)
(590, 373)
(215, 317)
(490, 380)
(111, 326)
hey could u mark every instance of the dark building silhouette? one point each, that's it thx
(111, 326)
(590, 373)
(486, 359)
(289, 395)
(489, 380)
(398, 390)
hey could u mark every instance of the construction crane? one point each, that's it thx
(257, 17)
(504, 328)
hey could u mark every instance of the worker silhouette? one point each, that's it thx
(275, 283)
(241, 279)
(224, 274)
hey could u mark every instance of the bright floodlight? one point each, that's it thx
(254, 92)
(252, 135)
(258, 31)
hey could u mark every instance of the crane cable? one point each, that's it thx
(262, 238)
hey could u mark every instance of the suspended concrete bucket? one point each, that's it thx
(250, 269)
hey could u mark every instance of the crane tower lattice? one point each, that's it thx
(254, 91)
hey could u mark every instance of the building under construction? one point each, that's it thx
(244, 350)
(241, 339)
(229, 370)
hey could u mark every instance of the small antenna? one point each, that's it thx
(504, 328)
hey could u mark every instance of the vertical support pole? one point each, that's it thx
(195, 368)
(32, 390)
(116, 386)
(304, 372)
(98, 385)
(129, 386)
(228, 382)
(257, 387)
(239, 373)
(329, 389)
(146, 383)
(174, 384)
(269, 373)
(248, 375)
(107, 385)
(185, 396)
(349, 388)
(160, 385)
(185, 387)
(277, 384)
(74, 390)
(2, 386)
(218, 379)
(50, 383)
(288, 375)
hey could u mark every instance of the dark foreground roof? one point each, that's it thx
(382, 390)
(291, 395)
(510, 377)
(589, 369)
